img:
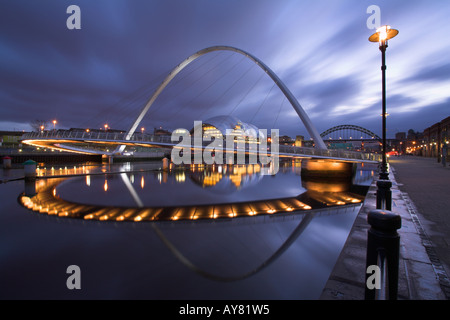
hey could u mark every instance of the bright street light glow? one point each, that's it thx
(383, 33)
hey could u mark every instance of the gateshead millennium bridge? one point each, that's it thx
(78, 141)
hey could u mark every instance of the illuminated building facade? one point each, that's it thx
(299, 141)
(223, 125)
(435, 137)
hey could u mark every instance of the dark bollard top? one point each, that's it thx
(384, 219)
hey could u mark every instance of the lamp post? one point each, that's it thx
(382, 35)
(54, 124)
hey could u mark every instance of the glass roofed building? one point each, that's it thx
(225, 124)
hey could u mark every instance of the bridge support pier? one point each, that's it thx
(109, 159)
(326, 169)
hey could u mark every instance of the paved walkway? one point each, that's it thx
(421, 196)
(427, 183)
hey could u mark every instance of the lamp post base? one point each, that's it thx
(384, 173)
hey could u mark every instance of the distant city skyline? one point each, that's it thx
(104, 72)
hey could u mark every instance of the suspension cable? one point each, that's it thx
(260, 106)
(279, 111)
(246, 94)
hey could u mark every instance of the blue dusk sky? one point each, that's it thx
(105, 71)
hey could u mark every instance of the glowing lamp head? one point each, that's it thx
(383, 34)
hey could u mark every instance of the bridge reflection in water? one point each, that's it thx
(244, 253)
(315, 193)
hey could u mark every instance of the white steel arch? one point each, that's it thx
(294, 102)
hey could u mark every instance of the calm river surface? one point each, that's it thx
(137, 232)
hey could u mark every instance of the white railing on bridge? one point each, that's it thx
(330, 153)
(144, 137)
(95, 135)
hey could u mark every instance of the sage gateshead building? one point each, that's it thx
(229, 125)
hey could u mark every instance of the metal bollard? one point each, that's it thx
(165, 162)
(383, 246)
(6, 162)
(30, 170)
(384, 195)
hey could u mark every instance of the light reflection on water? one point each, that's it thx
(195, 192)
(280, 255)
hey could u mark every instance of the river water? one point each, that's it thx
(138, 232)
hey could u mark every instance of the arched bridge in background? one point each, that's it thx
(348, 132)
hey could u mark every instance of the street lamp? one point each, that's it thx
(54, 124)
(106, 127)
(382, 35)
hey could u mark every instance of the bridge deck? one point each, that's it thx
(61, 140)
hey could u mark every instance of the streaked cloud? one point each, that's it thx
(107, 70)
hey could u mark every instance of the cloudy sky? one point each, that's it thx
(105, 71)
